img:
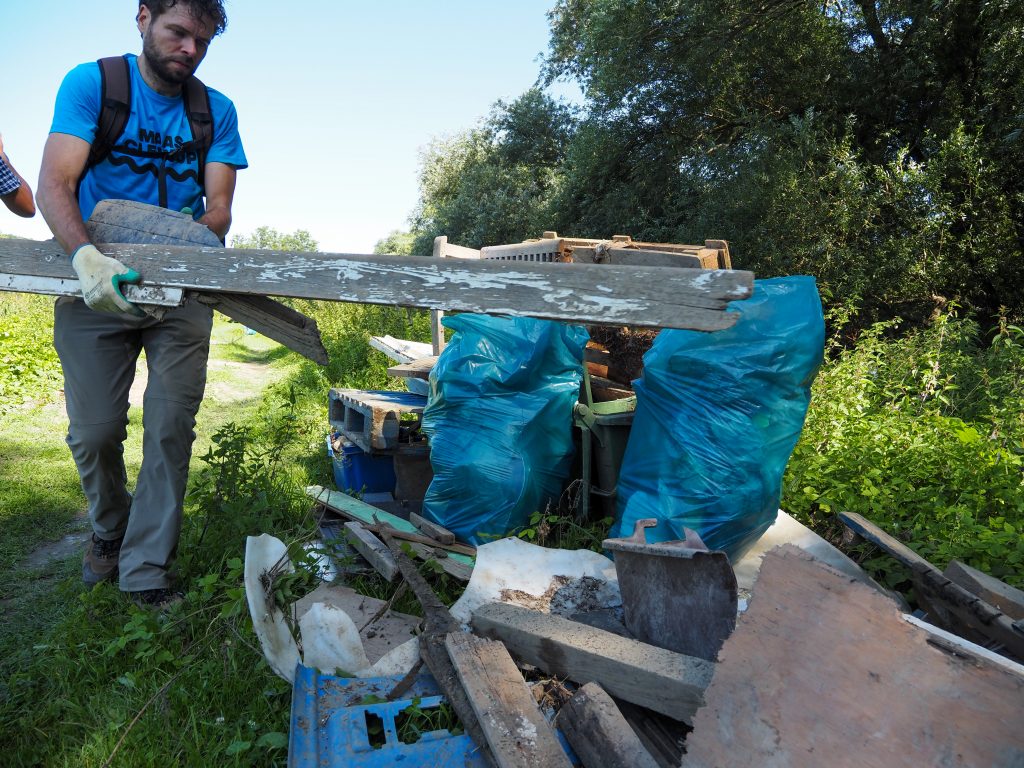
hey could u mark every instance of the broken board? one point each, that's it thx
(823, 670)
(458, 565)
(515, 730)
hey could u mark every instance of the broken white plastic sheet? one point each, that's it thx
(559, 581)
(330, 638)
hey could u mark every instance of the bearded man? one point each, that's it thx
(163, 150)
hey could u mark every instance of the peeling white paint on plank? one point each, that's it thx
(660, 297)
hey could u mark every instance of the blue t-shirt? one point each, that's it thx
(157, 124)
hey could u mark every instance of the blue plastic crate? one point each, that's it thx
(329, 725)
(356, 470)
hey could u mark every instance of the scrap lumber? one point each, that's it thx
(122, 221)
(515, 729)
(430, 541)
(438, 623)
(955, 602)
(597, 294)
(824, 670)
(373, 549)
(599, 734)
(56, 286)
(432, 529)
(667, 682)
(400, 350)
(456, 564)
(999, 594)
(417, 369)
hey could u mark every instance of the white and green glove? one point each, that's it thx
(101, 278)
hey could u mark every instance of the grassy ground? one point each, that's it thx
(78, 667)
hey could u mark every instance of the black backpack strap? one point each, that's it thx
(115, 106)
(200, 119)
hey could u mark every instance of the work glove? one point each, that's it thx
(101, 277)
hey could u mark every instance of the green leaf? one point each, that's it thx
(272, 740)
(237, 747)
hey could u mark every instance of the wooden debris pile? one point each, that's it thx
(821, 669)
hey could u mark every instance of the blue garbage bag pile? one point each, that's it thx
(718, 415)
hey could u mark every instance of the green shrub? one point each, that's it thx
(29, 368)
(923, 435)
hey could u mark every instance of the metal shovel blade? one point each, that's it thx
(675, 594)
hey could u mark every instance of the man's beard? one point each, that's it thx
(161, 66)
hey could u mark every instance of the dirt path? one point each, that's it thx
(229, 381)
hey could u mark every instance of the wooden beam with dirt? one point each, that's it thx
(667, 682)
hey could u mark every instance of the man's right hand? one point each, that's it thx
(101, 278)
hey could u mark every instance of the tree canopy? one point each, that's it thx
(877, 146)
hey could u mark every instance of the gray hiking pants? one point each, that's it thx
(98, 352)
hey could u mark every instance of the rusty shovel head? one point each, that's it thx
(675, 594)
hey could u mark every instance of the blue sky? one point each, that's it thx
(335, 99)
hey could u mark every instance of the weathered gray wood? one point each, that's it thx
(421, 538)
(824, 670)
(515, 729)
(274, 320)
(579, 293)
(56, 286)
(432, 529)
(999, 594)
(454, 568)
(598, 732)
(960, 606)
(438, 623)
(437, 340)
(666, 682)
(373, 549)
(122, 221)
(417, 369)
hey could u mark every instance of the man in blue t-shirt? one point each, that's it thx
(99, 339)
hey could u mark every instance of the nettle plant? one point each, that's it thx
(923, 435)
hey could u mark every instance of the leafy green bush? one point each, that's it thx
(923, 435)
(29, 368)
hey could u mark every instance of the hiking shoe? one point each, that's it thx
(100, 561)
(161, 599)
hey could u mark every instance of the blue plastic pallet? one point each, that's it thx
(329, 725)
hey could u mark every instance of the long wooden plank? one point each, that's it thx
(666, 682)
(417, 369)
(515, 729)
(58, 286)
(824, 670)
(999, 594)
(274, 320)
(598, 732)
(579, 293)
(955, 601)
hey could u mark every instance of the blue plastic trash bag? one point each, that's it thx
(718, 415)
(499, 417)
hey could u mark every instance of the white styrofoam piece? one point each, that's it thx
(330, 641)
(398, 661)
(262, 553)
(787, 530)
(511, 570)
